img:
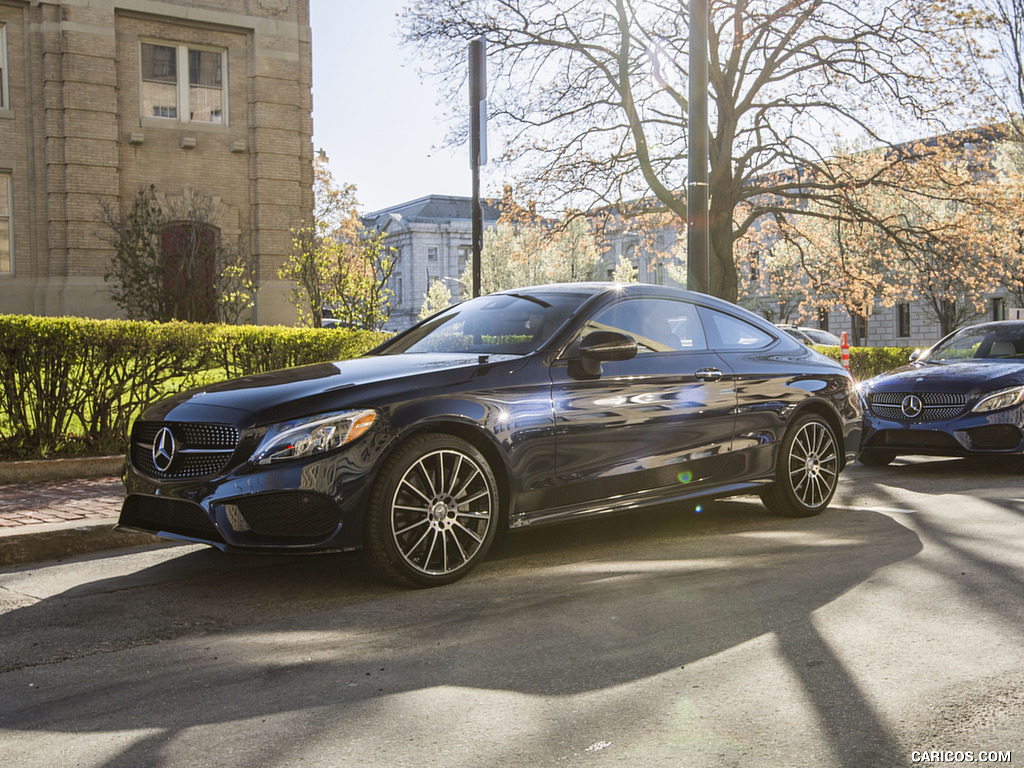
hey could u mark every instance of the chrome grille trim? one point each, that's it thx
(928, 398)
(936, 406)
(204, 449)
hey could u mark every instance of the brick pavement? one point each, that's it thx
(59, 501)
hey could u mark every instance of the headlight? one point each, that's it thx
(997, 401)
(307, 437)
(862, 394)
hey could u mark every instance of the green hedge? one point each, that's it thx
(866, 362)
(71, 385)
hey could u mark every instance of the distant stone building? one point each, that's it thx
(102, 98)
(433, 237)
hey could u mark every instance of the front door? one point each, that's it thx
(647, 426)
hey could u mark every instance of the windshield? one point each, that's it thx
(988, 342)
(822, 338)
(499, 324)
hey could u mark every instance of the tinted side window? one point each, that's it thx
(658, 325)
(728, 333)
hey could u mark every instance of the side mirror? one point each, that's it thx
(915, 355)
(604, 347)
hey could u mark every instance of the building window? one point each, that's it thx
(431, 254)
(904, 321)
(6, 248)
(3, 68)
(183, 83)
(999, 308)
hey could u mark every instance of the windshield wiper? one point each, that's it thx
(529, 298)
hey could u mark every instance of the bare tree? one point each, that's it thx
(1010, 75)
(171, 261)
(591, 95)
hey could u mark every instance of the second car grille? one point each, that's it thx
(935, 406)
(994, 437)
(199, 449)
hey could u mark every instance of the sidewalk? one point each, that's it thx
(55, 519)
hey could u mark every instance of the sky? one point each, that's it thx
(379, 124)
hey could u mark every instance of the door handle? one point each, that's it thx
(709, 374)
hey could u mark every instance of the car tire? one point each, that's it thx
(872, 457)
(432, 513)
(806, 471)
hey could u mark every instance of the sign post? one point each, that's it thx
(698, 276)
(477, 143)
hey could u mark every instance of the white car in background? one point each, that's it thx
(812, 336)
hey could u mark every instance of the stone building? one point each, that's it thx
(203, 99)
(434, 240)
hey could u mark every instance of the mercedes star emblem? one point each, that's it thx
(163, 449)
(912, 406)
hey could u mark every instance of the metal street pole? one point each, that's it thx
(477, 144)
(698, 277)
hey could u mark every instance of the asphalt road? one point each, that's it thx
(889, 626)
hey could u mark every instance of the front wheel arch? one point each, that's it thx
(433, 511)
(482, 441)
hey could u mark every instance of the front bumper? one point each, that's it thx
(966, 435)
(303, 506)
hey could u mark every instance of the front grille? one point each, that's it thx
(936, 406)
(296, 514)
(156, 513)
(201, 449)
(994, 437)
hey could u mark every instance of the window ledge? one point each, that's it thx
(170, 123)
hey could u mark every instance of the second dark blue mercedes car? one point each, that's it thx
(963, 396)
(525, 407)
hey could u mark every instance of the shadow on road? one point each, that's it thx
(557, 613)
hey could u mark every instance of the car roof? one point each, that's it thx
(994, 324)
(632, 289)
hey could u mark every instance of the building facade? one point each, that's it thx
(433, 240)
(99, 99)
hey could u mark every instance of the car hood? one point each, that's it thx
(970, 377)
(293, 392)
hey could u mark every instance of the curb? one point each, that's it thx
(45, 470)
(40, 543)
(59, 541)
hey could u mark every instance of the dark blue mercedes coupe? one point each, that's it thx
(962, 397)
(525, 407)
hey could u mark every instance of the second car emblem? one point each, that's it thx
(912, 406)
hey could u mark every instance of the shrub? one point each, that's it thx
(245, 350)
(866, 362)
(71, 385)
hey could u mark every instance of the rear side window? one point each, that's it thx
(658, 325)
(729, 334)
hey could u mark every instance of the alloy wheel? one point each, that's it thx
(813, 464)
(441, 512)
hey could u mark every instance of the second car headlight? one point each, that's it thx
(997, 401)
(307, 437)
